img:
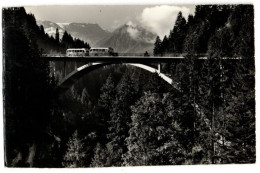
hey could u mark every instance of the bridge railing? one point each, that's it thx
(124, 55)
(130, 54)
(135, 55)
(160, 55)
(53, 55)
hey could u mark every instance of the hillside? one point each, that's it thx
(125, 39)
(129, 39)
(91, 33)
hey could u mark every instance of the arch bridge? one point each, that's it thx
(92, 63)
(95, 62)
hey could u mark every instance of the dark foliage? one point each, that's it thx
(27, 90)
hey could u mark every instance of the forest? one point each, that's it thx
(123, 116)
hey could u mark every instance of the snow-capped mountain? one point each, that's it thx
(91, 33)
(126, 39)
(50, 27)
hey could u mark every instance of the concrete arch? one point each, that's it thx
(66, 82)
(79, 72)
(153, 70)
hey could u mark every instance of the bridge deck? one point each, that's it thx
(123, 59)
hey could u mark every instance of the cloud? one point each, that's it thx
(161, 19)
(130, 23)
(115, 24)
(132, 30)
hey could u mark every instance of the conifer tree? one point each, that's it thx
(150, 135)
(107, 95)
(120, 120)
(235, 89)
(67, 40)
(27, 86)
(42, 30)
(177, 36)
(105, 106)
(75, 154)
(100, 157)
(165, 45)
(157, 46)
(57, 35)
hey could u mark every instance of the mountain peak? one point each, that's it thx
(129, 38)
(136, 32)
(63, 25)
(91, 33)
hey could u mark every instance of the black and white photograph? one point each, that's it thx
(128, 85)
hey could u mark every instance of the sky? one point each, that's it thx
(156, 18)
